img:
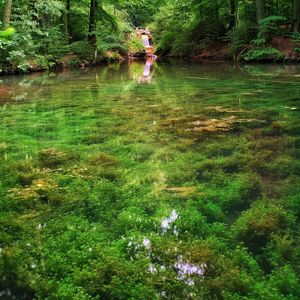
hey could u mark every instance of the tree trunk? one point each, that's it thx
(233, 11)
(92, 38)
(260, 9)
(7, 14)
(67, 19)
(296, 15)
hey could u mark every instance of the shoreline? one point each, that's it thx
(59, 67)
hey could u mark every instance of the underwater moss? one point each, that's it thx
(184, 187)
(53, 158)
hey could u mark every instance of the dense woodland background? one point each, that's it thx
(39, 34)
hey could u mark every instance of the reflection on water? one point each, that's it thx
(272, 70)
(148, 70)
(33, 87)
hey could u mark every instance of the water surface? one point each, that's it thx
(131, 182)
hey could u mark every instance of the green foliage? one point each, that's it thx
(264, 54)
(240, 38)
(47, 35)
(268, 28)
(135, 45)
(39, 40)
(83, 49)
(188, 28)
(295, 37)
(256, 225)
(139, 13)
(6, 34)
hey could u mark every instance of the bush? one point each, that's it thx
(135, 46)
(263, 54)
(240, 38)
(268, 28)
(295, 38)
(83, 49)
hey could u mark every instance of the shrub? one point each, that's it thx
(268, 28)
(264, 54)
(135, 45)
(240, 38)
(83, 49)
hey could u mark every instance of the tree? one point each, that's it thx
(260, 9)
(7, 14)
(92, 38)
(233, 11)
(296, 15)
(67, 18)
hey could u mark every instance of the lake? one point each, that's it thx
(157, 180)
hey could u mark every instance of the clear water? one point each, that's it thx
(147, 171)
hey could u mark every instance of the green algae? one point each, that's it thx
(107, 184)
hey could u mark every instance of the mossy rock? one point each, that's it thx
(293, 129)
(209, 168)
(25, 172)
(242, 191)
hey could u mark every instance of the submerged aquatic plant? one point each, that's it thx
(184, 188)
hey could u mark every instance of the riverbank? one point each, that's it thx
(281, 49)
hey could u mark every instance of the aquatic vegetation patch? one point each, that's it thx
(104, 160)
(256, 225)
(217, 125)
(183, 188)
(183, 192)
(39, 190)
(53, 158)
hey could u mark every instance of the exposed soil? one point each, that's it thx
(286, 46)
(214, 52)
(220, 51)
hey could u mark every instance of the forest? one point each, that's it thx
(150, 150)
(45, 34)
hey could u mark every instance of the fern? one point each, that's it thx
(268, 28)
(264, 54)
